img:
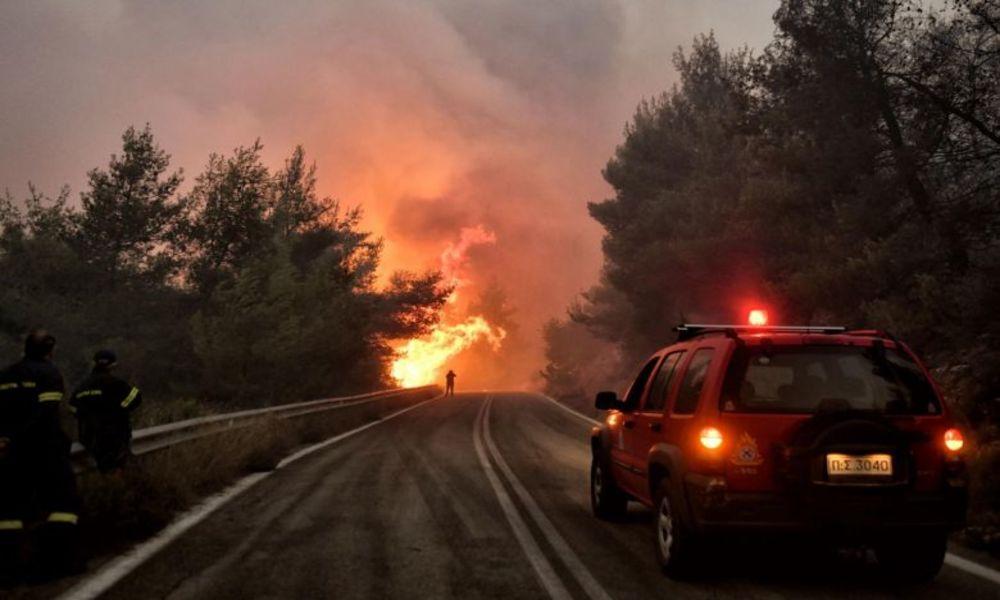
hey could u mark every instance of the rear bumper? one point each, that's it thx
(842, 510)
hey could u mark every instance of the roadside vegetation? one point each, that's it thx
(848, 174)
(247, 289)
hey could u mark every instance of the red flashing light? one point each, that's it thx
(757, 317)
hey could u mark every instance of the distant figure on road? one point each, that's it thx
(35, 470)
(103, 405)
(450, 388)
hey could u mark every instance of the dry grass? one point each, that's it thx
(158, 412)
(983, 531)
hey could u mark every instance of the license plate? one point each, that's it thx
(878, 465)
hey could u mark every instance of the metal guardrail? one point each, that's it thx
(151, 439)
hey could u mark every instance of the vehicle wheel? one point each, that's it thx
(675, 542)
(607, 501)
(912, 558)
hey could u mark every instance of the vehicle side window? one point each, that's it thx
(657, 397)
(694, 379)
(635, 392)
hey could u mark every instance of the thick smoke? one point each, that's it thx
(435, 116)
(456, 256)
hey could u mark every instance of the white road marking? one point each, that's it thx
(543, 568)
(116, 570)
(569, 558)
(575, 413)
(973, 568)
(952, 560)
(310, 449)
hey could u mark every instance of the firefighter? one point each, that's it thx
(450, 385)
(103, 405)
(35, 469)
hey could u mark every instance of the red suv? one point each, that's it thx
(800, 429)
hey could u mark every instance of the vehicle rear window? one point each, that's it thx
(694, 379)
(811, 379)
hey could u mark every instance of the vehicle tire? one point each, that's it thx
(676, 544)
(606, 499)
(914, 558)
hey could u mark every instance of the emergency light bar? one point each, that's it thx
(686, 331)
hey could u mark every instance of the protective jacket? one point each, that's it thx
(103, 404)
(30, 394)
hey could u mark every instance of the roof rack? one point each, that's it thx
(868, 332)
(686, 331)
(876, 333)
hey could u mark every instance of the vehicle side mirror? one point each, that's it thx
(606, 401)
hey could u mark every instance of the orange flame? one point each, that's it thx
(421, 360)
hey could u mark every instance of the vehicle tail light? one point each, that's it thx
(953, 440)
(757, 317)
(710, 438)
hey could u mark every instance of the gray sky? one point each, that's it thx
(433, 115)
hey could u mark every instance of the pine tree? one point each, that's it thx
(129, 216)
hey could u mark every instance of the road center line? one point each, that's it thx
(575, 413)
(543, 568)
(563, 550)
(118, 569)
(952, 560)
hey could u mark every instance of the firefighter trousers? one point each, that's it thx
(37, 480)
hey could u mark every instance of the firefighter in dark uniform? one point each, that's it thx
(103, 405)
(449, 389)
(35, 469)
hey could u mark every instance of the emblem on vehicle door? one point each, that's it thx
(746, 453)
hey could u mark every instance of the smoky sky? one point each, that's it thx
(432, 115)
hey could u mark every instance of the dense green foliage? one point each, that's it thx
(248, 289)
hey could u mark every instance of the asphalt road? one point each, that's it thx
(478, 496)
